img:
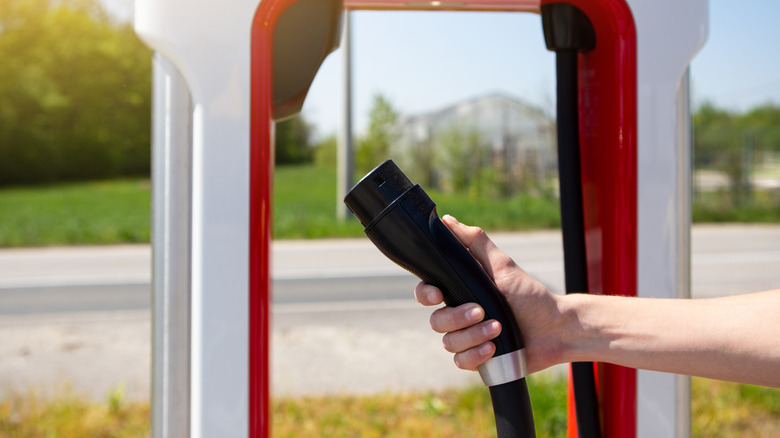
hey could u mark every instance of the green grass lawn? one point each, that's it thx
(113, 212)
(305, 204)
(79, 213)
(305, 207)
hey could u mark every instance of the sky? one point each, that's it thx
(424, 61)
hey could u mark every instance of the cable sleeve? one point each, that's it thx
(512, 410)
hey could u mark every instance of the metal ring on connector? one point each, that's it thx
(505, 368)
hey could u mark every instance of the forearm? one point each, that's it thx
(734, 338)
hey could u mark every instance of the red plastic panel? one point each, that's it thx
(608, 141)
(446, 5)
(607, 104)
(260, 202)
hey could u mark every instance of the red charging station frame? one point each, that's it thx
(260, 204)
(608, 139)
(608, 142)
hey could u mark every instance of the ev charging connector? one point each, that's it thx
(401, 220)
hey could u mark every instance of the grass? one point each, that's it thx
(726, 410)
(461, 413)
(305, 207)
(113, 212)
(80, 213)
(718, 207)
(72, 416)
(305, 204)
(719, 410)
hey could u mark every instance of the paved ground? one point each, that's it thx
(356, 350)
(90, 353)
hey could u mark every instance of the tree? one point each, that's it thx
(465, 160)
(326, 151)
(714, 132)
(763, 122)
(75, 89)
(723, 141)
(292, 144)
(381, 136)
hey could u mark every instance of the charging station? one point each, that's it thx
(223, 74)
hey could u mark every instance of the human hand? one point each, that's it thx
(536, 309)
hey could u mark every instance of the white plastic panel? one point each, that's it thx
(209, 43)
(669, 33)
(171, 177)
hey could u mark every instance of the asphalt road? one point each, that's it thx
(81, 315)
(725, 260)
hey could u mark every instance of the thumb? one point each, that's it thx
(479, 244)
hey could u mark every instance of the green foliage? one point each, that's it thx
(382, 134)
(293, 141)
(734, 144)
(718, 409)
(450, 413)
(78, 213)
(726, 409)
(464, 164)
(548, 399)
(764, 122)
(305, 207)
(463, 155)
(712, 211)
(326, 152)
(76, 93)
(719, 144)
(305, 204)
(419, 162)
(519, 212)
(69, 415)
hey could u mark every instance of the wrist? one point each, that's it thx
(578, 329)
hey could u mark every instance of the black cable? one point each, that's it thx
(573, 228)
(512, 409)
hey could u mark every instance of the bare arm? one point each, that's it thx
(734, 338)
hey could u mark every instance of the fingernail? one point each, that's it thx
(484, 350)
(431, 297)
(450, 217)
(474, 314)
(490, 328)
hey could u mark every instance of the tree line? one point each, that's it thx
(735, 144)
(75, 96)
(75, 93)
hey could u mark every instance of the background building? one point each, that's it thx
(493, 143)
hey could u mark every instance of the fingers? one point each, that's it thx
(474, 357)
(479, 244)
(462, 340)
(428, 295)
(465, 334)
(450, 319)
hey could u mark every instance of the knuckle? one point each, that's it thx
(433, 322)
(462, 361)
(477, 235)
(446, 341)
(437, 321)
(458, 359)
